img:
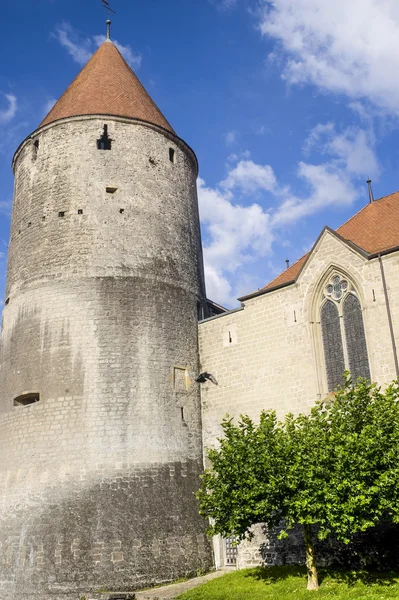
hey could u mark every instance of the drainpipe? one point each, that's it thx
(384, 285)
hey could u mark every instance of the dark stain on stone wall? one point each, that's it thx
(134, 527)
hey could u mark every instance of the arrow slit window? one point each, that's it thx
(104, 142)
(343, 334)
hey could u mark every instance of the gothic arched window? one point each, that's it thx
(332, 342)
(355, 338)
(344, 339)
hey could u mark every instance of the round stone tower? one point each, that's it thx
(100, 424)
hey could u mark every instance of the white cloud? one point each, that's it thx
(250, 178)
(237, 234)
(328, 186)
(317, 132)
(7, 114)
(218, 286)
(230, 138)
(224, 4)
(340, 46)
(335, 182)
(234, 157)
(263, 130)
(81, 49)
(352, 149)
(363, 112)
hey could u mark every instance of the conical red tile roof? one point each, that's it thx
(107, 86)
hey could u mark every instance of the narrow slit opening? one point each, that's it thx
(35, 148)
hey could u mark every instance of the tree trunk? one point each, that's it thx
(313, 580)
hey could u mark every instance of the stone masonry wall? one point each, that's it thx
(97, 478)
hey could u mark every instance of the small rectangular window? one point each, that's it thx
(172, 155)
(26, 399)
(80, 211)
(111, 189)
(61, 213)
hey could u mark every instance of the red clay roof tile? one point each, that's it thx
(376, 227)
(107, 86)
(289, 275)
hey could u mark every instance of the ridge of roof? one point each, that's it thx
(372, 236)
(107, 85)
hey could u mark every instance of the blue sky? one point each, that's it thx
(290, 107)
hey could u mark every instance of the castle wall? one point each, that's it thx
(269, 354)
(97, 478)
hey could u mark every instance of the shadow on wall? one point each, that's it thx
(376, 549)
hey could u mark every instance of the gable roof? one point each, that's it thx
(374, 229)
(107, 86)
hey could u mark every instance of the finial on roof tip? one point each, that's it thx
(109, 11)
(371, 195)
(287, 262)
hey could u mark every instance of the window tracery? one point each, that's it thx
(343, 334)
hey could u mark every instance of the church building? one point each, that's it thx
(288, 345)
(104, 416)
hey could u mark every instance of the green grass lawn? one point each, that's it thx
(283, 583)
